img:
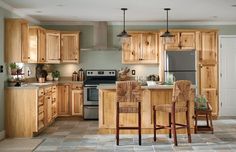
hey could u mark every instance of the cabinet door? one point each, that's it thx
(77, 102)
(41, 113)
(53, 46)
(16, 40)
(149, 52)
(208, 52)
(187, 40)
(54, 104)
(41, 45)
(70, 47)
(131, 48)
(63, 100)
(209, 85)
(48, 101)
(24, 41)
(171, 43)
(33, 45)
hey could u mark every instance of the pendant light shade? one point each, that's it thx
(124, 34)
(167, 33)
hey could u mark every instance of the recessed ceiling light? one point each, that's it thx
(38, 11)
(233, 5)
(60, 5)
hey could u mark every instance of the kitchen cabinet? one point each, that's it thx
(37, 45)
(208, 48)
(181, 40)
(63, 99)
(140, 48)
(16, 40)
(208, 84)
(77, 99)
(70, 47)
(54, 102)
(52, 46)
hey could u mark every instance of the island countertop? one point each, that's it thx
(113, 86)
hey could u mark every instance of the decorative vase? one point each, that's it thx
(56, 79)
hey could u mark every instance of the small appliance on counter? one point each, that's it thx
(93, 78)
(74, 76)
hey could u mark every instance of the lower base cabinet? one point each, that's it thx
(63, 99)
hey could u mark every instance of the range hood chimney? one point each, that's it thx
(100, 37)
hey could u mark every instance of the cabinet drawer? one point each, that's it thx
(41, 109)
(54, 88)
(77, 86)
(41, 92)
(41, 116)
(48, 90)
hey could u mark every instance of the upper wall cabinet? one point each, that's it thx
(70, 47)
(52, 46)
(208, 48)
(16, 40)
(181, 40)
(140, 48)
(37, 45)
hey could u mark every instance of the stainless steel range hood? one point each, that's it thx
(100, 38)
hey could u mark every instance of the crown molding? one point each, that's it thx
(18, 13)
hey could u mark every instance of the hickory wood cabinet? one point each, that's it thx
(16, 40)
(182, 40)
(37, 45)
(52, 46)
(70, 99)
(63, 99)
(69, 47)
(208, 68)
(77, 99)
(140, 48)
(28, 110)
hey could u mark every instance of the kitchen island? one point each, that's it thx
(152, 95)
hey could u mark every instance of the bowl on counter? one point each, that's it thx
(151, 83)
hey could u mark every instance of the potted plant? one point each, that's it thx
(56, 75)
(14, 68)
(200, 102)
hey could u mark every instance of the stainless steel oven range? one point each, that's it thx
(92, 79)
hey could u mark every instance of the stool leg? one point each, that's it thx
(196, 118)
(207, 121)
(211, 122)
(173, 128)
(139, 122)
(188, 127)
(117, 124)
(154, 124)
(169, 125)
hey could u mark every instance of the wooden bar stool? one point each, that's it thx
(180, 103)
(208, 114)
(128, 100)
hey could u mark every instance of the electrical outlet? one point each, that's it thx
(1, 68)
(133, 72)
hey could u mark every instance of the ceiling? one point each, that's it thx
(45, 11)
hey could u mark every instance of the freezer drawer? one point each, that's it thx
(90, 112)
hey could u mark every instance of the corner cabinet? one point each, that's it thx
(16, 40)
(52, 46)
(140, 48)
(37, 45)
(70, 47)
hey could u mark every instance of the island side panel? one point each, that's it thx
(20, 112)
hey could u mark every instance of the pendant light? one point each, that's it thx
(123, 34)
(167, 33)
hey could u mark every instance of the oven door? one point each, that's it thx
(90, 95)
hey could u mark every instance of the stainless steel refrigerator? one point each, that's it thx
(181, 64)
